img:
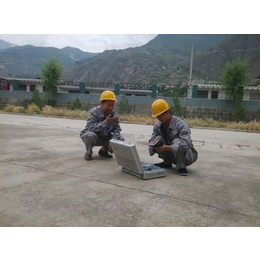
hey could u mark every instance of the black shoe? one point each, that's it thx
(163, 165)
(87, 157)
(105, 154)
(183, 172)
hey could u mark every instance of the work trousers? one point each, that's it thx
(90, 139)
(180, 161)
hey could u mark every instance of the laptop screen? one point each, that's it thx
(126, 155)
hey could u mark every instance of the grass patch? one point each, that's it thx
(19, 109)
(33, 109)
(144, 119)
(209, 122)
(8, 108)
(51, 111)
(134, 118)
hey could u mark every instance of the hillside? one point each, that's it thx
(165, 58)
(27, 61)
(5, 45)
(209, 64)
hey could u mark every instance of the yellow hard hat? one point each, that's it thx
(108, 95)
(158, 107)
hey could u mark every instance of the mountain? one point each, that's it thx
(76, 54)
(27, 61)
(209, 64)
(5, 45)
(165, 58)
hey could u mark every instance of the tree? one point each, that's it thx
(51, 74)
(124, 106)
(36, 99)
(234, 76)
(76, 104)
(176, 108)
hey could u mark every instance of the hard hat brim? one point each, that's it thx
(111, 99)
(161, 112)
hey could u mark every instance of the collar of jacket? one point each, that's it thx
(100, 111)
(172, 124)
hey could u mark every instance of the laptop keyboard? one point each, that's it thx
(148, 167)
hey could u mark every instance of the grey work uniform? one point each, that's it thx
(97, 132)
(177, 135)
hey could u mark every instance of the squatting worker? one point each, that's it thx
(171, 139)
(102, 125)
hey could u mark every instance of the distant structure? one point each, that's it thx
(207, 91)
(29, 85)
(210, 91)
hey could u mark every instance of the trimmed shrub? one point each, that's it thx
(9, 108)
(48, 110)
(33, 109)
(19, 109)
(76, 105)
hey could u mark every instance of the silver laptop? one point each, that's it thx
(127, 157)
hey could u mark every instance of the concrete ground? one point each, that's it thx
(44, 180)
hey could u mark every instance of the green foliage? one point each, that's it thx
(181, 91)
(176, 108)
(238, 111)
(234, 76)
(176, 94)
(123, 106)
(51, 74)
(76, 104)
(51, 102)
(184, 91)
(36, 99)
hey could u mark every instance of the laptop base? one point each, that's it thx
(128, 158)
(156, 172)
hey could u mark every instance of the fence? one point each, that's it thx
(192, 107)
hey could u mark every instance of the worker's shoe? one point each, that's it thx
(183, 172)
(164, 165)
(110, 150)
(87, 157)
(105, 154)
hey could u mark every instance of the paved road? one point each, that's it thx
(44, 180)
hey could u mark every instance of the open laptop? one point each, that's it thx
(127, 157)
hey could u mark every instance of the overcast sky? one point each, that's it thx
(95, 26)
(85, 42)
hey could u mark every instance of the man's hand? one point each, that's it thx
(110, 119)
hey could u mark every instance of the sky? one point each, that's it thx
(85, 42)
(95, 26)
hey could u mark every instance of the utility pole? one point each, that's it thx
(191, 62)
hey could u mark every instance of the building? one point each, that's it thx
(209, 91)
(29, 85)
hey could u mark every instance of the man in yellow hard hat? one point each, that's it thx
(171, 139)
(102, 125)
